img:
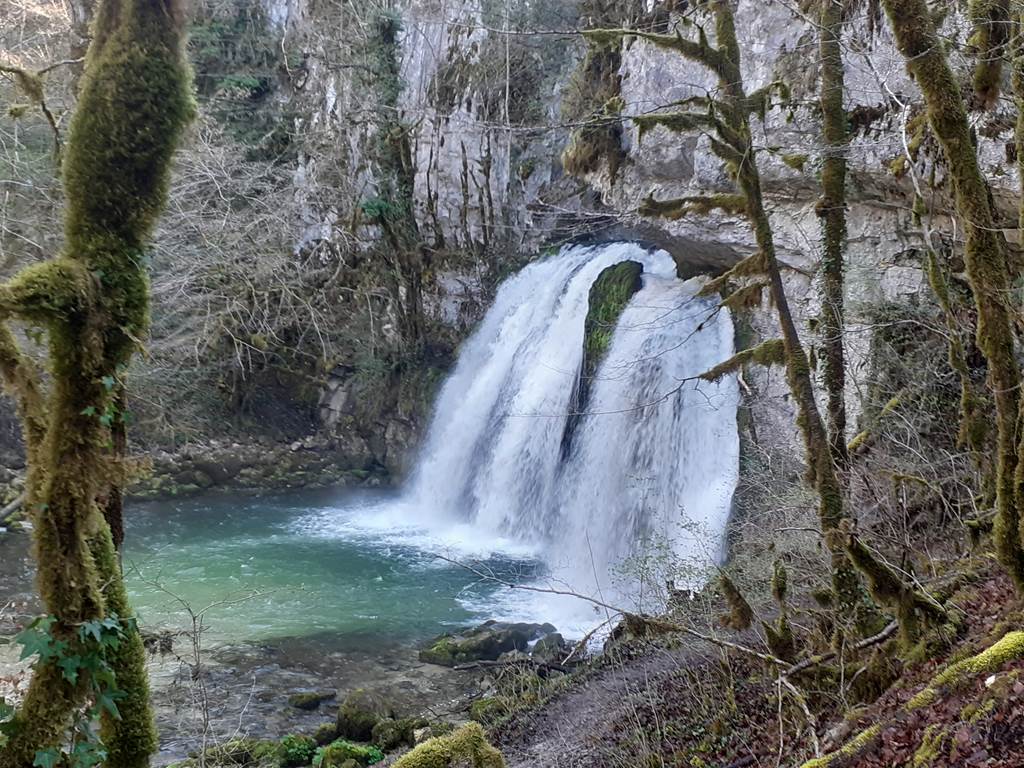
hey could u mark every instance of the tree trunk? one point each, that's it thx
(985, 257)
(832, 210)
(849, 592)
(94, 302)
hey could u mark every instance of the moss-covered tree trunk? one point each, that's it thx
(832, 210)
(992, 32)
(985, 257)
(94, 302)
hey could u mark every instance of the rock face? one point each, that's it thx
(484, 643)
(313, 462)
(488, 187)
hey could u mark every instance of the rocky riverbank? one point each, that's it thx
(313, 462)
(206, 688)
(252, 467)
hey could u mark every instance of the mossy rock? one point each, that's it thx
(360, 712)
(310, 700)
(465, 748)
(440, 728)
(486, 642)
(325, 734)
(345, 754)
(391, 734)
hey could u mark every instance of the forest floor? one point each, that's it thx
(671, 703)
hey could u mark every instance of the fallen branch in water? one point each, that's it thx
(9, 511)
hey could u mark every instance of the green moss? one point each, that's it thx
(135, 101)
(391, 734)
(131, 737)
(740, 615)
(241, 752)
(593, 95)
(296, 750)
(780, 639)
(467, 746)
(443, 651)
(991, 33)
(848, 750)
(609, 295)
(770, 352)
(985, 256)
(338, 753)
(1009, 648)
(360, 712)
(796, 162)
(325, 734)
(875, 676)
(933, 743)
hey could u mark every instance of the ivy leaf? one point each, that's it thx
(108, 382)
(107, 702)
(94, 628)
(46, 758)
(33, 643)
(89, 410)
(87, 754)
(69, 666)
(106, 419)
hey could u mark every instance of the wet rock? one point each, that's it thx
(484, 643)
(550, 649)
(310, 700)
(360, 712)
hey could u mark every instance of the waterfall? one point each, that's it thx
(652, 464)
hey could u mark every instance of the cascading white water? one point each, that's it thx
(655, 457)
(654, 464)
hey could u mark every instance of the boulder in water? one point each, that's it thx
(484, 643)
(310, 700)
(360, 712)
